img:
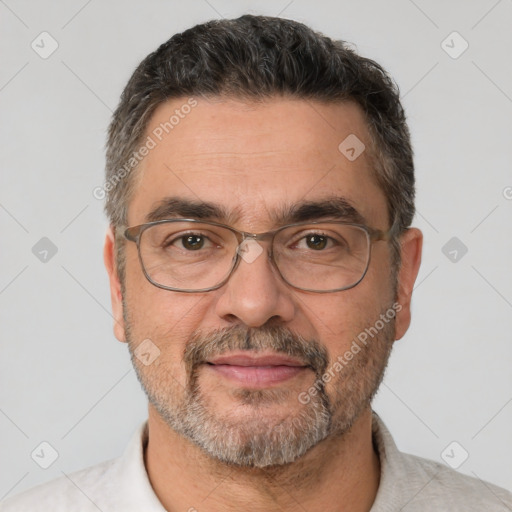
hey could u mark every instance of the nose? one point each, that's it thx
(255, 293)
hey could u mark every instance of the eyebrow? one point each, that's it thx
(337, 208)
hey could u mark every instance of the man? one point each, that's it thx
(261, 261)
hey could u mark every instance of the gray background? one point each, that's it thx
(64, 379)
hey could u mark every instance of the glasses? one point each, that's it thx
(190, 255)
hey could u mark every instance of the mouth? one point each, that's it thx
(256, 370)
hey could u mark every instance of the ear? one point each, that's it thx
(411, 244)
(115, 284)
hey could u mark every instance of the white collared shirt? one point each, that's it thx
(407, 483)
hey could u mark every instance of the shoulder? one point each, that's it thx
(76, 491)
(434, 486)
(119, 484)
(414, 484)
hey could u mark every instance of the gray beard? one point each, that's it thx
(257, 440)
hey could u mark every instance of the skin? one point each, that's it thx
(253, 158)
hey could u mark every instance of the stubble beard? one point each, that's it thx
(259, 439)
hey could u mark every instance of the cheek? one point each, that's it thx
(166, 371)
(166, 318)
(155, 310)
(340, 317)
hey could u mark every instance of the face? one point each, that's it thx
(257, 372)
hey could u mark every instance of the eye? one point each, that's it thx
(317, 242)
(193, 242)
(188, 241)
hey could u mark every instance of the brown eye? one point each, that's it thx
(192, 242)
(316, 242)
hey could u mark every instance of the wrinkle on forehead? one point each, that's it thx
(261, 159)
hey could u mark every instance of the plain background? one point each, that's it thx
(64, 379)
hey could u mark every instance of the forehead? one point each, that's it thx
(256, 160)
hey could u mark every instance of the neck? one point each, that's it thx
(339, 474)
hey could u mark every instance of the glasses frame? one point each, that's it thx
(134, 234)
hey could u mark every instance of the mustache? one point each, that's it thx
(205, 345)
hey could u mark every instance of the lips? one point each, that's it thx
(256, 370)
(256, 360)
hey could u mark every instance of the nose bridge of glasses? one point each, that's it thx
(245, 238)
(257, 237)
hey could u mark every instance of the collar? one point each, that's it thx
(132, 470)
